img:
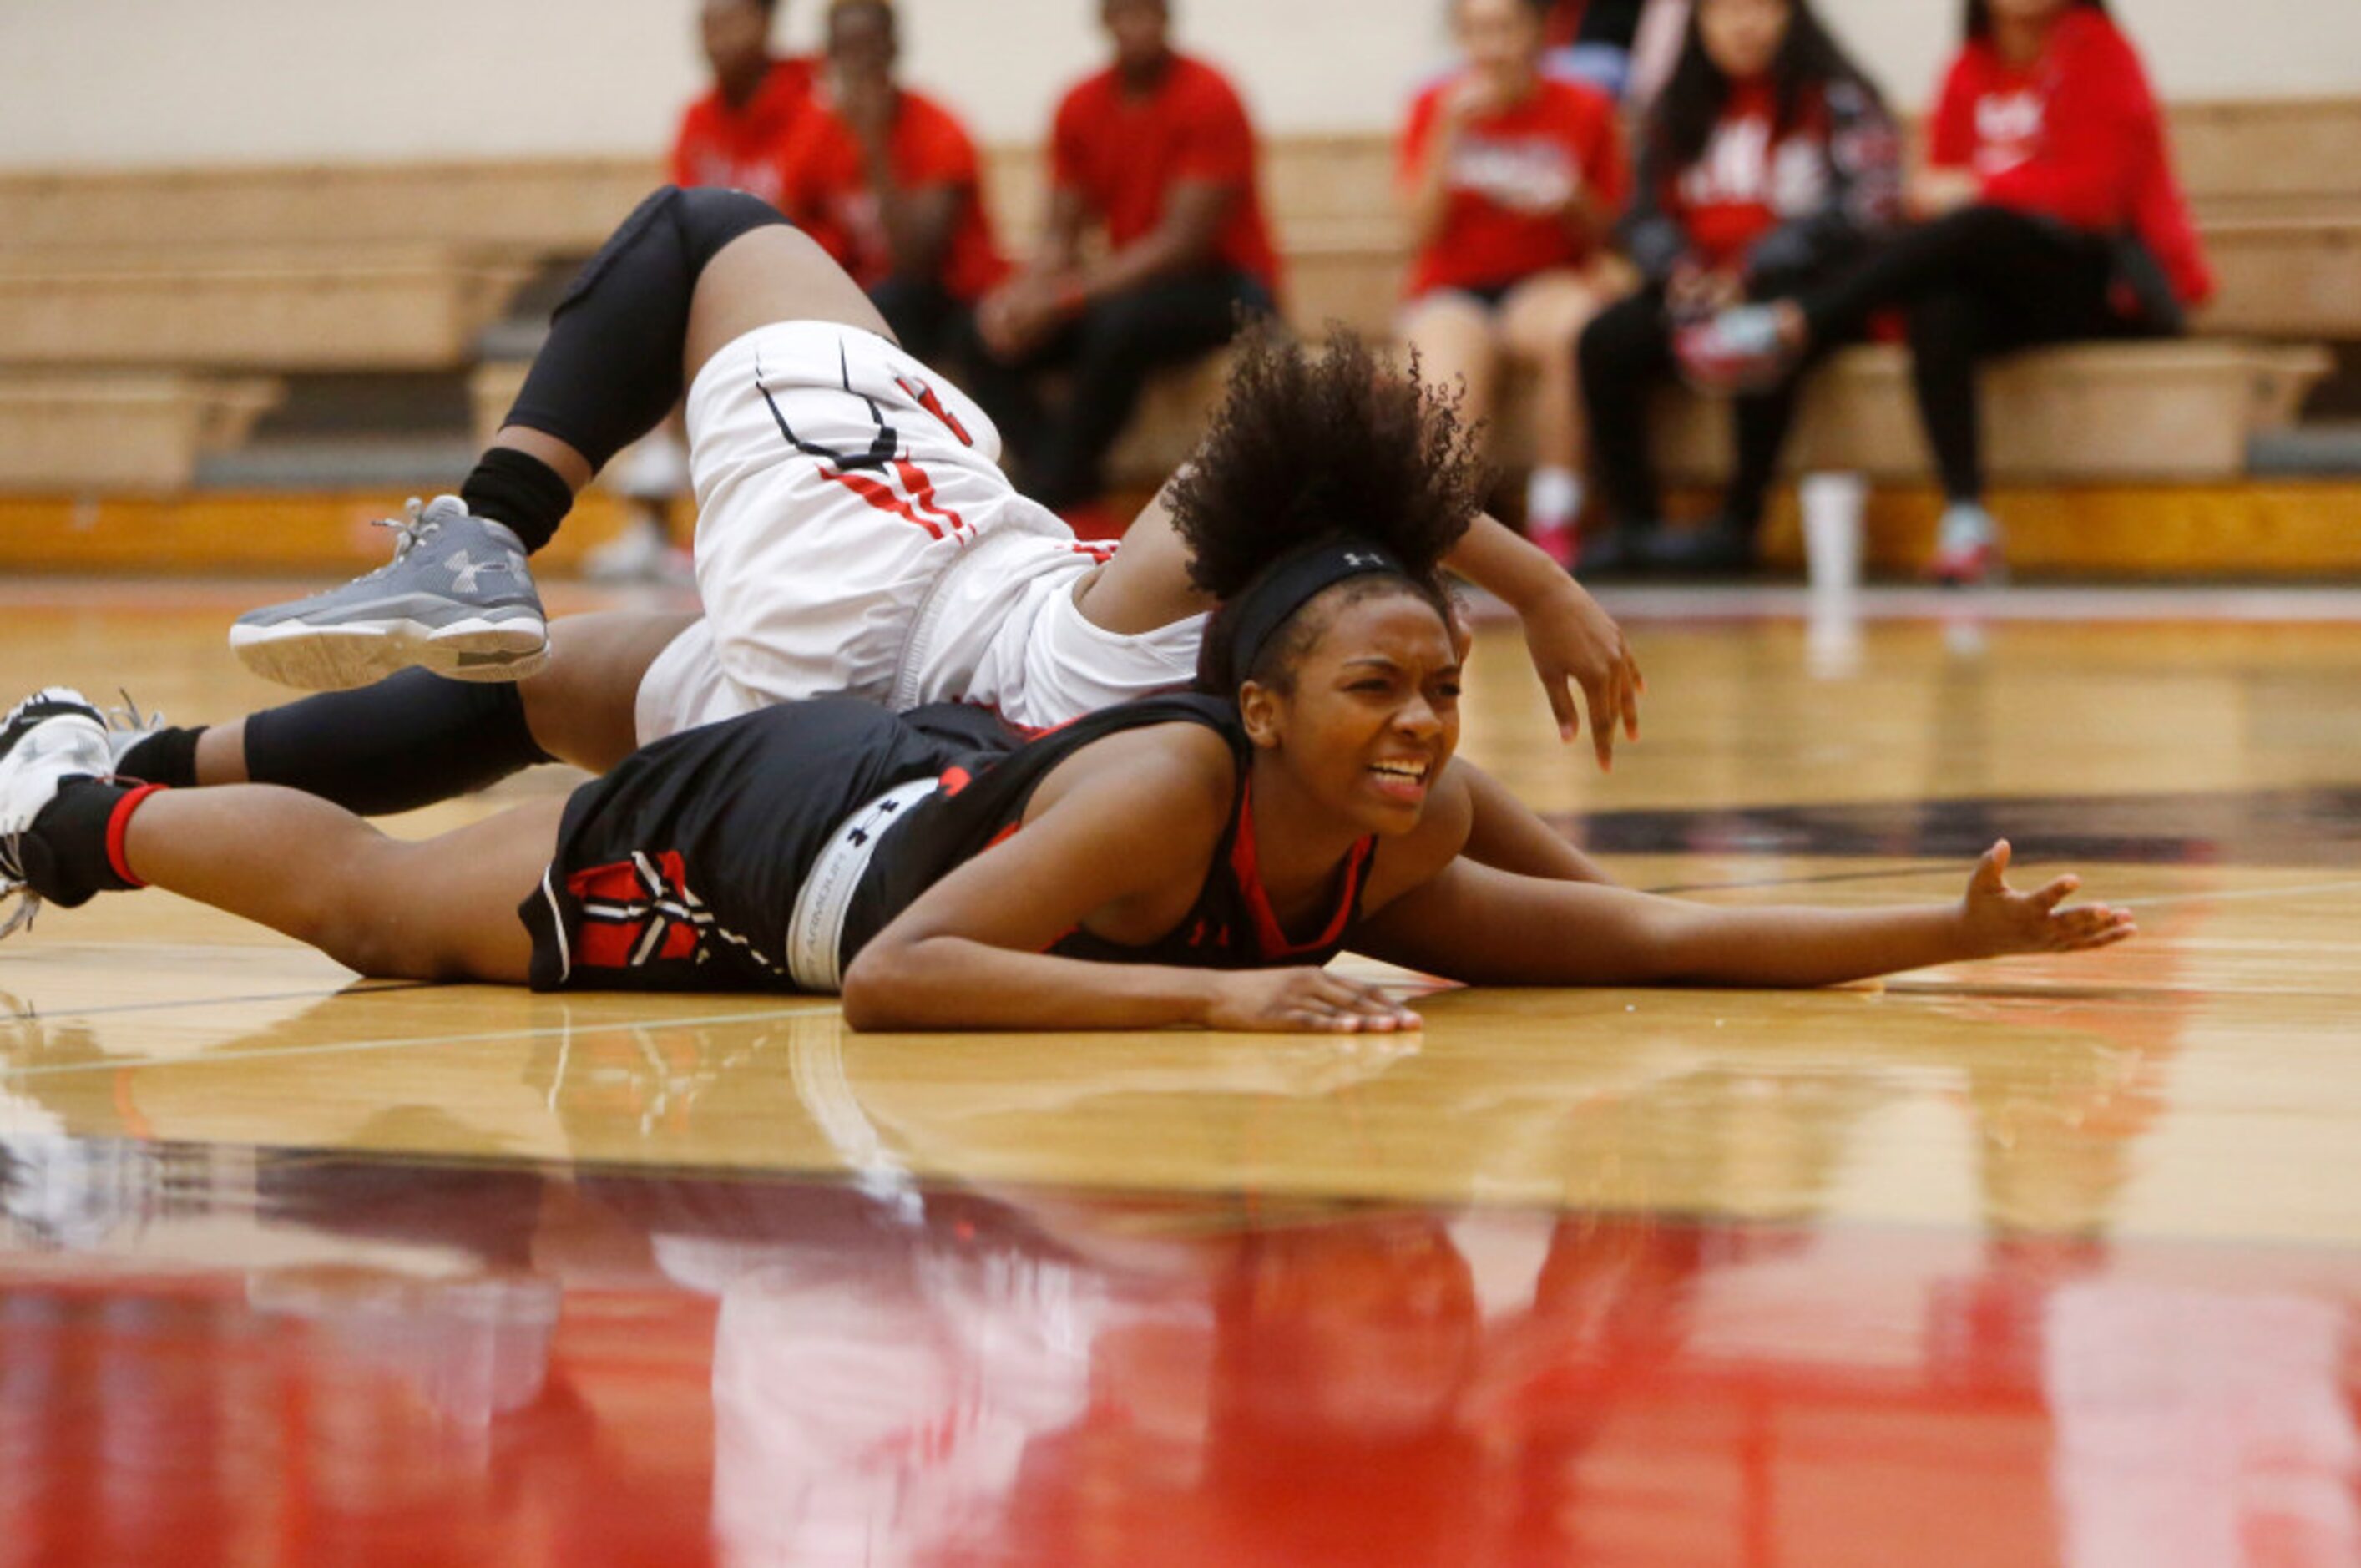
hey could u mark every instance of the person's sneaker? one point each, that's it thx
(1740, 350)
(1967, 548)
(456, 598)
(51, 737)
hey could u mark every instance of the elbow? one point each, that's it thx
(871, 992)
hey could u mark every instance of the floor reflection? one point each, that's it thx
(374, 1361)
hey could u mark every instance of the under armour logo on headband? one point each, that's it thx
(1355, 558)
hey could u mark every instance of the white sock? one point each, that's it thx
(1965, 526)
(1553, 498)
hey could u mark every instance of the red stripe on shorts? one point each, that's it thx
(922, 490)
(880, 496)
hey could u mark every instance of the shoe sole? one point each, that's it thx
(342, 658)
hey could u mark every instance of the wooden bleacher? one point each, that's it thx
(144, 316)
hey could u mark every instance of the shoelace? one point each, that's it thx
(414, 529)
(128, 721)
(13, 885)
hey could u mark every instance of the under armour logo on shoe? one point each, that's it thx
(464, 572)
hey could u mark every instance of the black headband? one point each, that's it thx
(1272, 598)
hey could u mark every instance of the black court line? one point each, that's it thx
(2314, 828)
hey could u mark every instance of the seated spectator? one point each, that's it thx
(1156, 150)
(2051, 213)
(888, 182)
(1768, 164)
(1512, 183)
(734, 137)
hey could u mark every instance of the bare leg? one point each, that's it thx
(441, 910)
(1455, 337)
(770, 275)
(1541, 326)
(583, 710)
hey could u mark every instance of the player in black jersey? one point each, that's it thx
(1188, 860)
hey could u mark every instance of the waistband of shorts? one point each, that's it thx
(816, 929)
(1010, 526)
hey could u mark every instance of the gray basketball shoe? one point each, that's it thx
(456, 598)
(51, 737)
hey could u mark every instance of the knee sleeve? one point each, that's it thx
(611, 368)
(405, 742)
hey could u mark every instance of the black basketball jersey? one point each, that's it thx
(680, 870)
(1229, 925)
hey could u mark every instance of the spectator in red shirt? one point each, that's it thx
(2051, 214)
(1158, 152)
(888, 182)
(734, 136)
(1768, 164)
(1512, 182)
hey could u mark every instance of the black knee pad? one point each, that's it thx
(611, 368)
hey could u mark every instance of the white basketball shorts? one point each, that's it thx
(855, 534)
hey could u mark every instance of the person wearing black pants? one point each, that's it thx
(2051, 215)
(1980, 282)
(1766, 165)
(1157, 155)
(1109, 350)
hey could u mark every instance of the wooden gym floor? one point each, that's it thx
(2040, 1261)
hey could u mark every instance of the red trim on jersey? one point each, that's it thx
(118, 825)
(1246, 866)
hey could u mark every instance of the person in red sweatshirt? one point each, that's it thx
(734, 135)
(1768, 163)
(1156, 152)
(1510, 184)
(887, 181)
(2051, 213)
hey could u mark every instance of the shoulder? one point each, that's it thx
(1198, 83)
(935, 119)
(1177, 781)
(1091, 95)
(2089, 41)
(1576, 103)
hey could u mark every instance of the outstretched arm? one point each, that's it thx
(1489, 927)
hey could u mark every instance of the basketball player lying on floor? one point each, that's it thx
(1187, 859)
(855, 534)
